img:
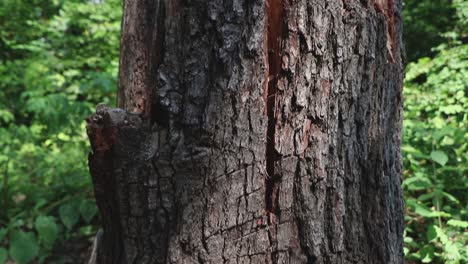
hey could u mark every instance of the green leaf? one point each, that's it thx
(440, 133)
(452, 109)
(88, 210)
(441, 235)
(3, 255)
(69, 214)
(457, 223)
(431, 233)
(439, 157)
(407, 239)
(425, 211)
(417, 183)
(425, 197)
(406, 251)
(419, 209)
(3, 233)
(18, 223)
(47, 230)
(447, 141)
(427, 254)
(451, 197)
(452, 251)
(23, 247)
(6, 116)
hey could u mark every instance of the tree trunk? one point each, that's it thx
(254, 131)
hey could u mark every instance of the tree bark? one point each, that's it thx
(254, 131)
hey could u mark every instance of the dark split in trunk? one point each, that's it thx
(273, 53)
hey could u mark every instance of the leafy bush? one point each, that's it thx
(435, 149)
(421, 30)
(58, 60)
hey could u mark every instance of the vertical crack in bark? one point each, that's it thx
(391, 28)
(142, 43)
(386, 8)
(274, 21)
(156, 48)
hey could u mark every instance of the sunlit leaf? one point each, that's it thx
(457, 223)
(423, 210)
(452, 251)
(439, 157)
(441, 234)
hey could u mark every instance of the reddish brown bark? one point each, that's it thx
(274, 21)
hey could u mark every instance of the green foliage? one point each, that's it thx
(435, 151)
(58, 60)
(3, 255)
(23, 247)
(69, 214)
(47, 230)
(424, 22)
(88, 210)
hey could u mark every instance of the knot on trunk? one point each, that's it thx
(104, 125)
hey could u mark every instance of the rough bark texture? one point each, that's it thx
(253, 131)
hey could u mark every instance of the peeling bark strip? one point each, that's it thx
(184, 174)
(386, 7)
(274, 22)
